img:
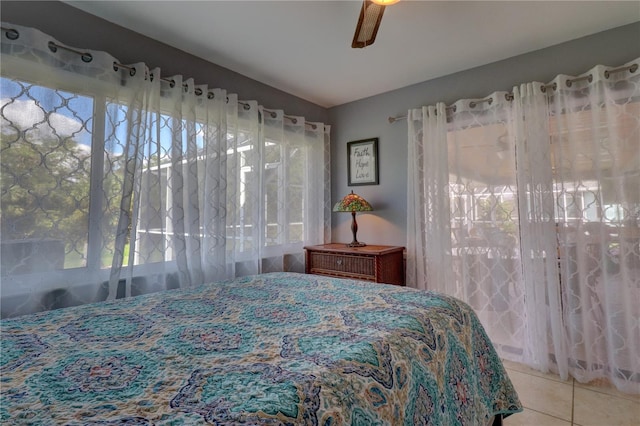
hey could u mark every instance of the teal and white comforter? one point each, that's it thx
(272, 349)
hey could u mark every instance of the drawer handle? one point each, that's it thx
(339, 262)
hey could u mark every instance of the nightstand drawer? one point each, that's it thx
(359, 265)
(381, 264)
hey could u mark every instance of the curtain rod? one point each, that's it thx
(294, 120)
(553, 86)
(172, 82)
(13, 34)
(88, 57)
(197, 90)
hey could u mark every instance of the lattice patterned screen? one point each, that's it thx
(46, 158)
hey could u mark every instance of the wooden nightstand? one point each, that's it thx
(381, 264)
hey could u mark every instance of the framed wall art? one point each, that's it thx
(362, 162)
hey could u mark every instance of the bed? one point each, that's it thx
(270, 349)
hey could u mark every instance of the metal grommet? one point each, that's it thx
(52, 47)
(590, 78)
(569, 83)
(210, 95)
(491, 101)
(115, 66)
(198, 91)
(555, 86)
(86, 57)
(472, 104)
(247, 107)
(633, 68)
(12, 34)
(132, 71)
(454, 108)
(172, 83)
(294, 120)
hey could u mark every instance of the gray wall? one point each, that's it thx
(367, 118)
(77, 28)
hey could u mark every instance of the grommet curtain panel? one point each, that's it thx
(118, 180)
(526, 205)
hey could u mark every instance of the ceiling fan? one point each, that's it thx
(369, 22)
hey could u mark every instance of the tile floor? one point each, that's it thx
(549, 401)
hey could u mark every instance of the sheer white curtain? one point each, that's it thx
(118, 180)
(428, 265)
(544, 195)
(595, 147)
(462, 165)
(529, 119)
(291, 205)
(180, 185)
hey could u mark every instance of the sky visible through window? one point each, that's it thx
(51, 112)
(60, 114)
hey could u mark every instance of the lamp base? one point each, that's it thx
(356, 244)
(354, 229)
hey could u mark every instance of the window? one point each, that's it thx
(62, 181)
(47, 163)
(64, 158)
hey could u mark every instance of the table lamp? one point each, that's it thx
(353, 203)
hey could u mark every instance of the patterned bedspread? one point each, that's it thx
(268, 349)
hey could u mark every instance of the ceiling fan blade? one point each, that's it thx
(368, 24)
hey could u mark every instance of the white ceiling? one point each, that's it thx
(304, 47)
